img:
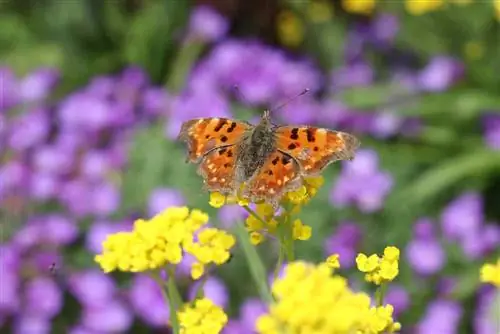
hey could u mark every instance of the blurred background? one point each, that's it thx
(92, 95)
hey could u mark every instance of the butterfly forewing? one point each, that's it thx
(205, 134)
(315, 148)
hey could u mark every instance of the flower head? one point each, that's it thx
(379, 269)
(490, 273)
(203, 317)
(331, 306)
(163, 240)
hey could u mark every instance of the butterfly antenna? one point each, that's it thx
(305, 91)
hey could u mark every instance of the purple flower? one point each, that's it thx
(230, 214)
(155, 101)
(43, 298)
(386, 124)
(162, 198)
(214, 289)
(301, 111)
(147, 300)
(398, 297)
(32, 323)
(487, 317)
(111, 317)
(37, 85)
(13, 175)
(195, 104)
(362, 183)
(101, 87)
(463, 216)
(425, 257)
(85, 112)
(442, 316)
(9, 95)
(43, 186)
(491, 125)
(95, 164)
(98, 232)
(207, 24)
(440, 73)
(105, 199)
(28, 129)
(9, 289)
(345, 242)
(92, 288)
(358, 74)
(385, 27)
(250, 311)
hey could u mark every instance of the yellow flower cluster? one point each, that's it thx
(163, 240)
(290, 28)
(359, 6)
(420, 7)
(490, 273)
(203, 318)
(496, 6)
(377, 269)
(268, 224)
(212, 247)
(332, 308)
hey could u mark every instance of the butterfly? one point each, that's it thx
(268, 160)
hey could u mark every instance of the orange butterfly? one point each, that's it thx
(269, 159)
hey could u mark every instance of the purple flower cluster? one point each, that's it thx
(345, 242)
(361, 183)
(66, 157)
(491, 125)
(250, 311)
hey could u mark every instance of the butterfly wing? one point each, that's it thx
(217, 169)
(279, 174)
(315, 148)
(205, 134)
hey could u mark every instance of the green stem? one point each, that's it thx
(168, 299)
(199, 290)
(257, 269)
(281, 257)
(188, 53)
(379, 294)
(288, 235)
(255, 214)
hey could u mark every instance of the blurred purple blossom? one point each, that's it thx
(250, 311)
(487, 317)
(85, 113)
(207, 24)
(440, 73)
(111, 317)
(92, 288)
(43, 298)
(424, 253)
(491, 125)
(231, 214)
(362, 183)
(398, 297)
(32, 323)
(162, 198)
(442, 316)
(9, 96)
(28, 129)
(385, 28)
(37, 85)
(147, 300)
(463, 216)
(10, 261)
(344, 241)
(353, 75)
(156, 101)
(213, 289)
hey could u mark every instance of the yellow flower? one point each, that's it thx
(301, 231)
(333, 261)
(290, 28)
(203, 318)
(496, 5)
(217, 200)
(359, 6)
(380, 270)
(490, 273)
(419, 7)
(163, 240)
(256, 238)
(331, 307)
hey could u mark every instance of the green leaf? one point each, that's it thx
(373, 97)
(450, 172)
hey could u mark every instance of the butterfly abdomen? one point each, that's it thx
(254, 150)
